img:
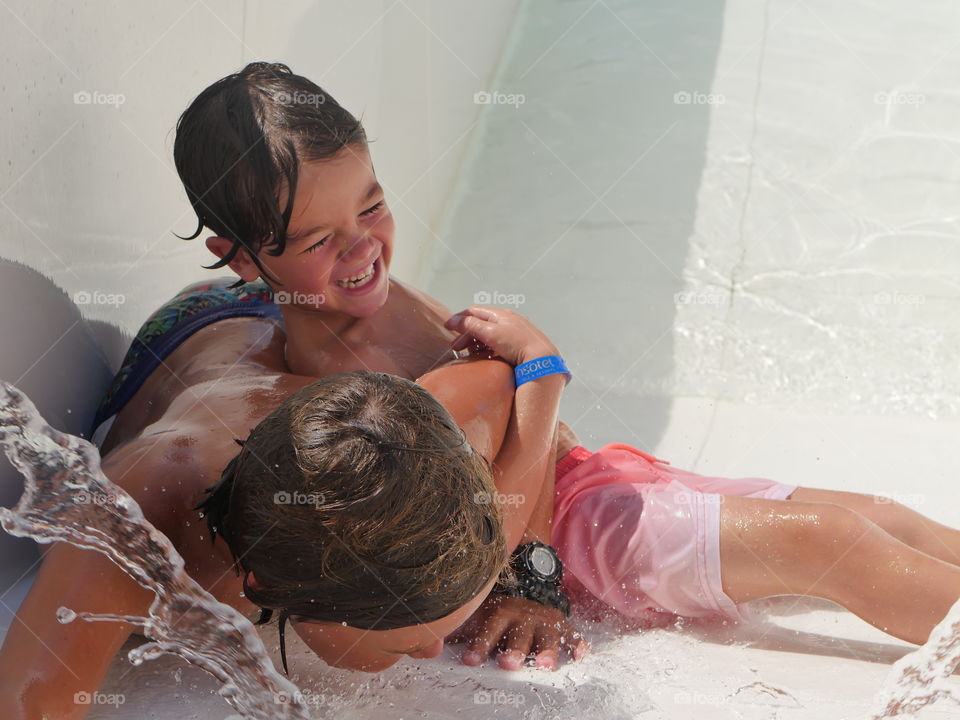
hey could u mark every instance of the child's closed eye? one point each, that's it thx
(366, 213)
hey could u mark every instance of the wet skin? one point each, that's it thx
(340, 225)
(232, 372)
(176, 434)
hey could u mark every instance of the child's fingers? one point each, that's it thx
(466, 312)
(453, 320)
(486, 639)
(484, 313)
(547, 644)
(457, 322)
(577, 644)
(461, 342)
(471, 327)
(517, 645)
(478, 311)
(481, 329)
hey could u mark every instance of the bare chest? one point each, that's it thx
(408, 344)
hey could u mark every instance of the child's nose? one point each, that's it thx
(355, 247)
(429, 652)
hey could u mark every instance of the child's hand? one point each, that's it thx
(520, 629)
(503, 332)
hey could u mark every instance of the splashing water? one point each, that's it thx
(918, 679)
(60, 469)
(60, 472)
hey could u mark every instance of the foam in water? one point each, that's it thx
(918, 679)
(61, 473)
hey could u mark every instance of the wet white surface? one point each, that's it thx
(754, 278)
(765, 287)
(807, 658)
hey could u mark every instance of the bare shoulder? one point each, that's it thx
(419, 299)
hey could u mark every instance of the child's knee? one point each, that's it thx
(817, 536)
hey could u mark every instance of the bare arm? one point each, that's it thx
(478, 394)
(540, 524)
(518, 433)
(528, 450)
(524, 468)
(43, 663)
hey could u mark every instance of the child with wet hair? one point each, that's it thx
(355, 502)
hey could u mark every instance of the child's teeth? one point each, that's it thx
(357, 280)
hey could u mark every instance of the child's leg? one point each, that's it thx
(773, 547)
(903, 523)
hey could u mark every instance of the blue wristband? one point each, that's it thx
(537, 368)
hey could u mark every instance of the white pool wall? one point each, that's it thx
(90, 195)
(739, 222)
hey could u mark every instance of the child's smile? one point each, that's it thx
(339, 242)
(339, 239)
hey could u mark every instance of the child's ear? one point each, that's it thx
(252, 581)
(241, 264)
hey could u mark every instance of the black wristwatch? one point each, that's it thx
(538, 572)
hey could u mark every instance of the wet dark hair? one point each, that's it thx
(239, 146)
(359, 501)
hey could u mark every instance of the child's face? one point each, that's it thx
(340, 227)
(352, 648)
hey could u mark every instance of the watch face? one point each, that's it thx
(543, 561)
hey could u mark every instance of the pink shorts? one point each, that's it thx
(640, 535)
